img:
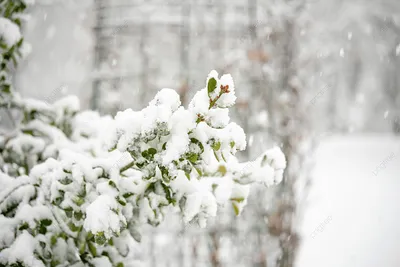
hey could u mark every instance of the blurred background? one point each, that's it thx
(319, 78)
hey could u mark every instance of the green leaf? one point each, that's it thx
(3, 45)
(68, 212)
(100, 238)
(235, 208)
(214, 186)
(46, 222)
(216, 146)
(92, 249)
(127, 195)
(152, 151)
(199, 171)
(238, 199)
(120, 201)
(264, 160)
(145, 154)
(168, 194)
(79, 201)
(20, 42)
(24, 226)
(120, 264)
(187, 175)
(78, 215)
(216, 156)
(63, 236)
(112, 184)
(149, 153)
(193, 157)
(197, 142)
(67, 171)
(54, 263)
(212, 84)
(42, 229)
(82, 247)
(73, 227)
(65, 181)
(53, 240)
(90, 236)
(222, 169)
(223, 157)
(232, 144)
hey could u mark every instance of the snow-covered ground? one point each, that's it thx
(353, 208)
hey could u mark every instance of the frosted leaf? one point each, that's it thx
(30, 215)
(276, 158)
(239, 197)
(236, 135)
(182, 121)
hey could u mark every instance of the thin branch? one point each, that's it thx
(13, 189)
(60, 222)
(129, 165)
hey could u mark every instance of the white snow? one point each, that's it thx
(352, 215)
(25, 255)
(101, 216)
(9, 31)
(200, 102)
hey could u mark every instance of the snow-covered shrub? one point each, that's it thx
(75, 187)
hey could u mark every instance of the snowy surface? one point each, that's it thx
(353, 214)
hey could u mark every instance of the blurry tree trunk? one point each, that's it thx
(215, 249)
(98, 55)
(288, 117)
(288, 238)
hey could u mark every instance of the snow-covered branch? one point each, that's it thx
(100, 179)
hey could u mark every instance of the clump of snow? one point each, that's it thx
(26, 255)
(9, 31)
(200, 103)
(103, 216)
(102, 261)
(218, 117)
(168, 98)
